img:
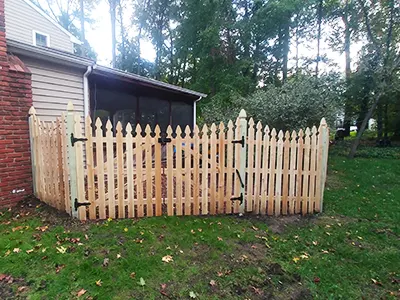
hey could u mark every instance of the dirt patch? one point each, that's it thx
(49, 216)
(12, 288)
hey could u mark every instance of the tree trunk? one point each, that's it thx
(285, 49)
(82, 17)
(113, 34)
(379, 122)
(319, 16)
(364, 124)
(347, 37)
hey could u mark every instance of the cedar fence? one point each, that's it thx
(135, 172)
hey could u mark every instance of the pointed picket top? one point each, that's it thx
(237, 122)
(138, 130)
(205, 129)
(178, 131)
(242, 114)
(294, 135)
(147, 130)
(88, 120)
(128, 129)
(70, 106)
(196, 131)
(157, 130)
(251, 122)
(230, 125)
(118, 128)
(187, 131)
(280, 134)
(287, 135)
(323, 122)
(221, 126)
(308, 132)
(213, 128)
(169, 131)
(273, 132)
(266, 129)
(98, 124)
(314, 130)
(108, 125)
(259, 126)
(32, 111)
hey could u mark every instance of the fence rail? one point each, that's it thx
(136, 172)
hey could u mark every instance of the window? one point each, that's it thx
(41, 39)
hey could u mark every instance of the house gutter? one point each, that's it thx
(86, 92)
(194, 111)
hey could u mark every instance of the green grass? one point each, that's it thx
(338, 254)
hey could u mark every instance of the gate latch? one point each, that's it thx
(241, 141)
(240, 198)
(77, 204)
(74, 139)
(163, 140)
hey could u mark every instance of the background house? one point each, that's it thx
(59, 76)
(38, 66)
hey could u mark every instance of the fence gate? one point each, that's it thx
(104, 172)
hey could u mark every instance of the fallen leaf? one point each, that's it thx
(254, 228)
(132, 275)
(126, 229)
(327, 233)
(212, 282)
(22, 288)
(61, 249)
(98, 282)
(220, 274)
(86, 237)
(253, 247)
(142, 282)
(325, 251)
(106, 262)
(192, 231)
(42, 229)
(81, 293)
(7, 253)
(315, 243)
(29, 251)
(296, 259)
(44, 250)
(200, 230)
(317, 279)
(256, 290)
(119, 256)
(220, 239)
(167, 258)
(304, 256)
(192, 295)
(376, 282)
(16, 250)
(163, 286)
(2, 276)
(17, 228)
(59, 268)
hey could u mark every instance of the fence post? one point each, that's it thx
(324, 147)
(71, 157)
(242, 157)
(32, 140)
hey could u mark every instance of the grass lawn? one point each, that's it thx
(351, 251)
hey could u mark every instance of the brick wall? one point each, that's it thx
(15, 101)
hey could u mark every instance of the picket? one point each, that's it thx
(195, 172)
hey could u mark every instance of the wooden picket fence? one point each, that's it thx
(135, 172)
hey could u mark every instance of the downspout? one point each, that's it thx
(86, 92)
(194, 112)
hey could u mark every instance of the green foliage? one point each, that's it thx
(300, 102)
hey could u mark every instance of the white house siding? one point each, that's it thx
(53, 86)
(21, 19)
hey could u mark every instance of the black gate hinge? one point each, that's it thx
(74, 139)
(241, 141)
(238, 198)
(77, 204)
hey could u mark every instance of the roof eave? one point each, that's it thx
(149, 81)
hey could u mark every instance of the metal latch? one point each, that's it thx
(163, 140)
(74, 140)
(241, 141)
(238, 198)
(77, 204)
